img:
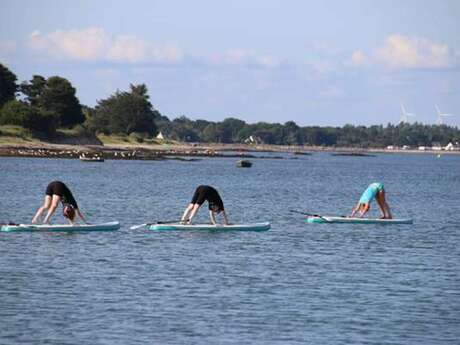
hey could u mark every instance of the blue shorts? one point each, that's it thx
(371, 192)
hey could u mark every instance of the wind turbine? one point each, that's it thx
(441, 116)
(405, 115)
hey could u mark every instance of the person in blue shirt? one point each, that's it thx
(373, 191)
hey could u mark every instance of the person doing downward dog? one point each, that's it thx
(205, 193)
(55, 192)
(377, 191)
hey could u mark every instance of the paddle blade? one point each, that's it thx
(134, 227)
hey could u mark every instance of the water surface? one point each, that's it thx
(295, 284)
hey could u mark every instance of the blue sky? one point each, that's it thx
(313, 62)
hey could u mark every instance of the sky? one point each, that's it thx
(324, 63)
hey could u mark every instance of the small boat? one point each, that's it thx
(61, 227)
(210, 227)
(95, 158)
(242, 163)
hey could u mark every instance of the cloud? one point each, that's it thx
(127, 48)
(401, 51)
(94, 44)
(88, 44)
(358, 58)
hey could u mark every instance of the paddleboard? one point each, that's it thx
(334, 219)
(240, 227)
(61, 227)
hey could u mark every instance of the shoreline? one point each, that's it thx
(174, 151)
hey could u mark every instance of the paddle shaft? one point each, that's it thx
(134, 227)
(305, 213)
(308, 214)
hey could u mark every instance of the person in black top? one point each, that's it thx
(55, 192)
(205, 193)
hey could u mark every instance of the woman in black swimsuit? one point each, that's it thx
(202, 194)
(55, 192)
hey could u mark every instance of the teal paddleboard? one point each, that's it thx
(61, 227)
(232, 227)
(348, 220)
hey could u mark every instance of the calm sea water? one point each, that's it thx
(295, 284)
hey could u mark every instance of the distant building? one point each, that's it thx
(452, 147)
(390, 147)
(160, 136)
(253, 140)
(422, 148)
(406, 147)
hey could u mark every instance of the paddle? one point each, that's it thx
(134, 227)
(308, 214)
(305, 213)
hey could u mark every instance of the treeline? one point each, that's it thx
(45, 104)
(232, 130)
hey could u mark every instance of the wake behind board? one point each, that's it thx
(343, 220)
(232, 227)
(61, 227)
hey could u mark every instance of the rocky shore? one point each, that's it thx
(188, 152)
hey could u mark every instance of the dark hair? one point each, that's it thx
(69, 212)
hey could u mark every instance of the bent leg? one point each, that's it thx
(384, 208)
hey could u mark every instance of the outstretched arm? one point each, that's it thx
(225, 218)
(81, 215)
(355, 209)
(186, 212)
(194, 211)
(363, 209)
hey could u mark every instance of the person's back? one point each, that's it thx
(370, 192)
(204, 193)
(60, 188)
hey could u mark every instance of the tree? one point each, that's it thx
(229, 129)
(55, 95)
(33, 89)
(22, 114)
(8, 86)
(125, 113)
(58, 96)
(291, 133)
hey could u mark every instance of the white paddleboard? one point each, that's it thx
(61, 227)
(334, 219)
(240, 227)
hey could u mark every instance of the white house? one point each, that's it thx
(160, 136)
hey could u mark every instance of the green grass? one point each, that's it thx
(131, 140)
(16, 135)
